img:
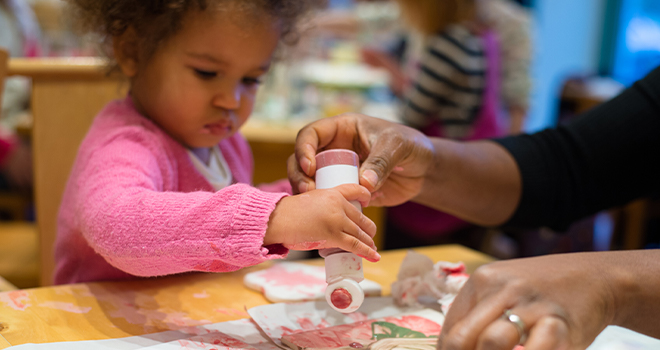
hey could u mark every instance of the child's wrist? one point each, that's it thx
(272, 235)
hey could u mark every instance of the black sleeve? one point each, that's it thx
(607, 157)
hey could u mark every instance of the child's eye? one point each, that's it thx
(251, 81)
(205, 74)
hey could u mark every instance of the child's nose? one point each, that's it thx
(229, 98)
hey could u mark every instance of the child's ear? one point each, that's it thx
(125, 47)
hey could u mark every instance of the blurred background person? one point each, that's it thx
(470, 80)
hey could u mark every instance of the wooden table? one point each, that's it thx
(105, 310)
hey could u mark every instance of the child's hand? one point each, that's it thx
(321, 219)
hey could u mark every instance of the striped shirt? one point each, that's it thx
(449, 84)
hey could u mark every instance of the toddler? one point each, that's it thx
(161, 183)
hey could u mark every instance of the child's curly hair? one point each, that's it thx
(156, 20)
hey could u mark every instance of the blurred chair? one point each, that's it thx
(17, 260)
(66, 95)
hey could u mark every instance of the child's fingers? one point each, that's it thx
(359, 219)
(355, 192)
(354, 230)
(352, 244)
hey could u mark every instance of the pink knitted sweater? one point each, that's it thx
(134, 205)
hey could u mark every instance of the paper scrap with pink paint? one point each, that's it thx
(278, 320)
(420, 324)
(291, 282)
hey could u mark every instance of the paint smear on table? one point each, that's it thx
(232, 312)
(202, 295)
(69, 307)
(17, 300)
(142, 310)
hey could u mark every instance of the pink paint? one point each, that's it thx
(458, 268)
(305, 323)
(231, 312)
(307, 245)
(352, 263)
(202, 295)
(214, 340)
(341, 298)
(68, 307)
(17, 300)
(287, 330)
(279, 276)
(357, 316)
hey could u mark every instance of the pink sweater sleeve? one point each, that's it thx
(277, 186)
(127, 216)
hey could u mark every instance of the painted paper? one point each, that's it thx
(294, 282)
(424, 324)
(278, 320)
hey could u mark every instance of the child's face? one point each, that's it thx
(200, 84)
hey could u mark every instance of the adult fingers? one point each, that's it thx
(548, 333)
(385, 154)
(463, 326)
(391, 146)
(300, 182)
(501, 334)
(314, 137)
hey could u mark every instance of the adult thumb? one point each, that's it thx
(383, 157)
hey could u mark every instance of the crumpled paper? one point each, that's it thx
(421, 283)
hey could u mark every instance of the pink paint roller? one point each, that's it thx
(343, 270)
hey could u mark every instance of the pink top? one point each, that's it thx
(335, 157)
(134, 205)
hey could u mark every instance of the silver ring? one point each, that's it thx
(517, 322)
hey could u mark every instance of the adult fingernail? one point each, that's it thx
(371, 177)
(305, 164)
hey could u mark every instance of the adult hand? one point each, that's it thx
(398, 79)
(395, 158)
(565, 301)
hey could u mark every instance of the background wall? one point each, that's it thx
(568, 41)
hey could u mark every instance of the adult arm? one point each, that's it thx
(603, 159)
